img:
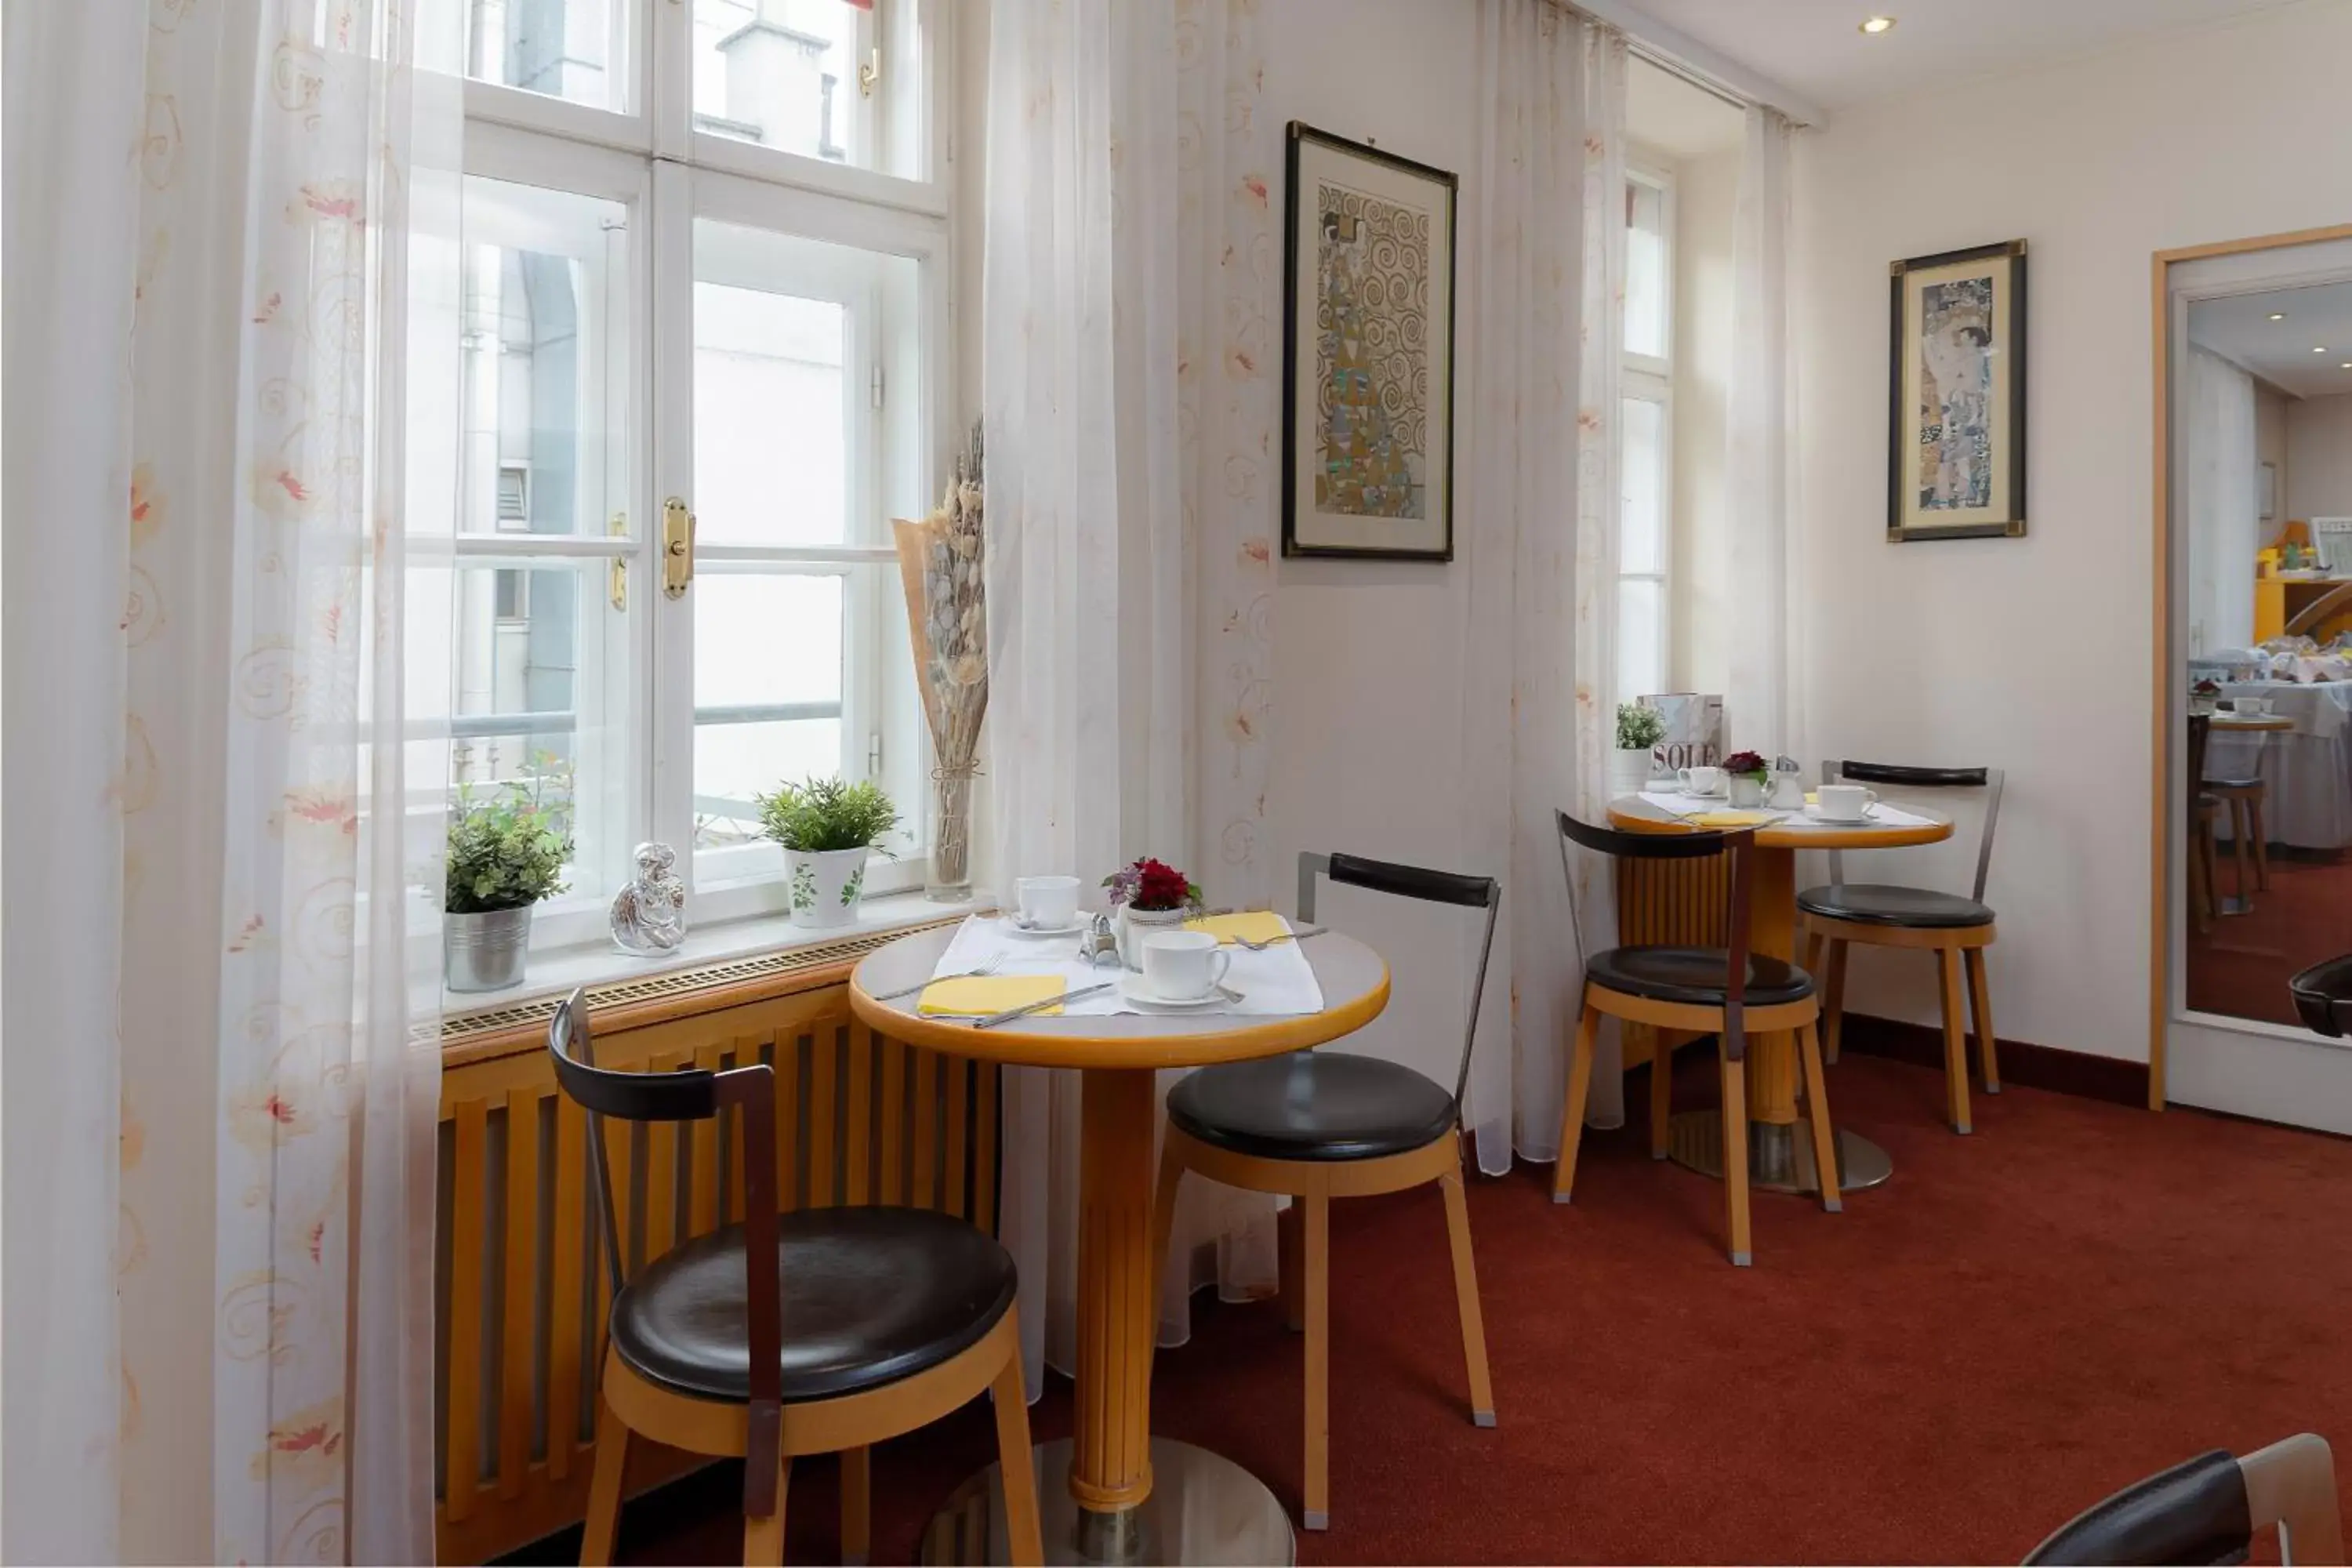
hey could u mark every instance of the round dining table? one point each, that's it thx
(1779, 1141)
(1112, 1492)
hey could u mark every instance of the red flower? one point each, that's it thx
(1741, 764)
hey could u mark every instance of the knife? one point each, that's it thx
(1007, 1017)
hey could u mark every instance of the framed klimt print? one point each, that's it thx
(1367, 370)
(1956, 442)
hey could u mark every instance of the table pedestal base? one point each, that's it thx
(1203, 1508)
(1780, 1155)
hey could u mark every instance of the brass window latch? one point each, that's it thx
(616, 585)
(870, 74)
(678, 548)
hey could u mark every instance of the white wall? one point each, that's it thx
(1706, 194)
(2319, 457)
(2034, 653)
(1368, 655)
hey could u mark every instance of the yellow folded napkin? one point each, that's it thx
(978, 996)
(1728, 819)
(1813, 797)
(1253, 925)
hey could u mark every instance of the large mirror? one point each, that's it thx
(2259, 692)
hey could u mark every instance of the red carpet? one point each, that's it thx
(2242, 966)
(2018, 1323)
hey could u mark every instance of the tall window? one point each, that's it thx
(1644, 548)
(703, 259)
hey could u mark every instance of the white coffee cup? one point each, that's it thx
(2257, 706)
(1048, 903)
(1700, 781)
(1183, 965)
(1846, 802)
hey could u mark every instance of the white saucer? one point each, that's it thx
(1013, 923)
(1818, 814)
(1132, 988)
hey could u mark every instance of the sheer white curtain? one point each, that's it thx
(1547, 246)
(1761, 701)
(1108, 123)
(2224, 508)
(219, 1136)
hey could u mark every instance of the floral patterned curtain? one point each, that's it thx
(244, 1034)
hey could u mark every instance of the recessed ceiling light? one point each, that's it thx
(1873, 26)
(2345, 365)
(2320, 350)
(2278, 315)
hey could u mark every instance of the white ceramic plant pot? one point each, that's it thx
(1134, 925)
(485, 951)
(825, 885)
(1629, 770)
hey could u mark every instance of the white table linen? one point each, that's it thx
(1278, 981)
(2307, 802)
(1880, 815)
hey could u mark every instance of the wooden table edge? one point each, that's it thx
(1264, 1035)
(1771, 836)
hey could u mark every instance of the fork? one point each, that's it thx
(991, 967)
(1287, 936)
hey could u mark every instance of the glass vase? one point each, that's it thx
(950, 876)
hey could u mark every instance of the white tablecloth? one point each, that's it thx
(1277, 982)
(2307, 802)
(1880, 815)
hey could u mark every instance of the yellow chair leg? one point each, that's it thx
(1319, 1363)
(763, 1539)
(1466, 1295)
(1290, 1240)
(1024, 1543)
(1956, 1045)
(1987, 1045)
(1817, 1095)
(1572, 1114)
(1734, 1155)
(604, 1488)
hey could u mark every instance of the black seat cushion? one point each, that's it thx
(1310, 1105)
(870, 1296)
(2197, 1511)
(1695, 975)
(1871, 904)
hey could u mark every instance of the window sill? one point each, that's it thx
(556, 972)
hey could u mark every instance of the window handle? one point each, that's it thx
(869, 75)
(678, 548)
(616, 587)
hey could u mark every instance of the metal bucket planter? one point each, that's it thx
(485, 951)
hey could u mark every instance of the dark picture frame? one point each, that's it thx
(1374, 481)
(1956, 395)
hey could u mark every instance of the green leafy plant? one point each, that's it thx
(817, 815)
(504, 852)
(1639, 728)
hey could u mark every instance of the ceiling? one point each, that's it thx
(1816, 47)
(1664, 111)
(2240, 328)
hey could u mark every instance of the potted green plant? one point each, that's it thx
(828, 827)
(505, 854)
(1638, 730)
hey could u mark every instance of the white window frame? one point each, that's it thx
(1650, 378)
(647, 157)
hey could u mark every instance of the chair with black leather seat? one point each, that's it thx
(1728, 992)
(1956, 930)
(2208, 1508)
(859, 1324)
(1318, 1125)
